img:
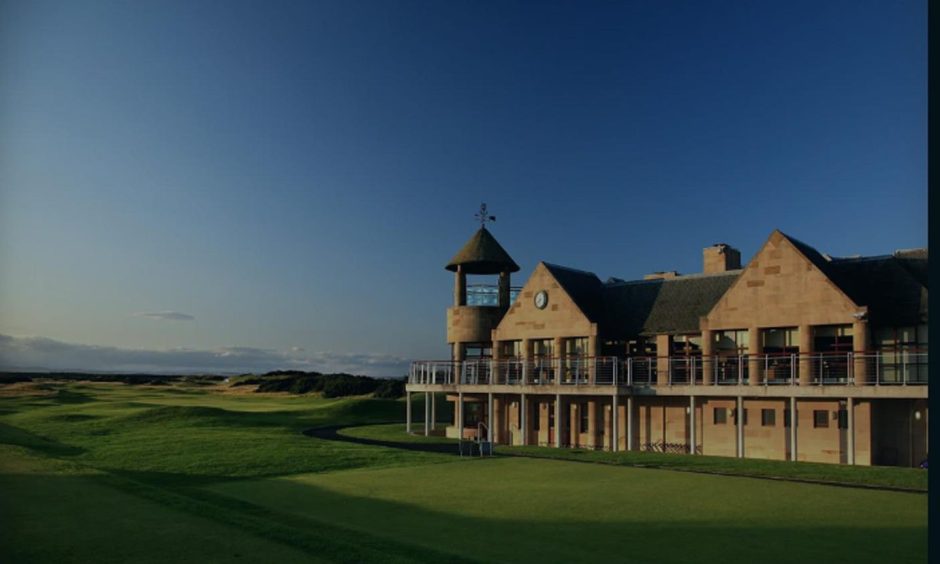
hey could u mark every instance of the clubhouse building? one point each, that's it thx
(794, 356)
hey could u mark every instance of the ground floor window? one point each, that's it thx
(820, 419)
(720, 415)
(583, 409)
(768, 417)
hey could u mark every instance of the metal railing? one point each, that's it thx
(488, 294)
(900, 368)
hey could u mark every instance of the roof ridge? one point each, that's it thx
(694, 276)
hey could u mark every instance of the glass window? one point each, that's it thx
(832, 338)
(768, 417)
(843, 418)
(583, 408)
(542, 347)
(687, 345)
(820, 418)
(478, 350)
(720, 415)
(731, 342)
(576, 346)
(784, 340)
(510, 349)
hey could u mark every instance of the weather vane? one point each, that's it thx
(482, 216)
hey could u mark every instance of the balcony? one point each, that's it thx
(907, 368)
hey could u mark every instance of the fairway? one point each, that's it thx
(118, 473)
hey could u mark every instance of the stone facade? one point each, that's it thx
(791, 330)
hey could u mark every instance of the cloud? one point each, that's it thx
(169, 315)
(40, 353)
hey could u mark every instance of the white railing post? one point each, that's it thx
(793, 374)
(630, 371)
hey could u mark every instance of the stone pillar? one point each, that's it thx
(663, 350)
(691, 424)
(499, 436)
(739, 422)
(459, 415)
(427, 414)
(490, 418)
(408, 412)
(592, 423)
(708, 361)
(754, 364)
(629, 422)
(850, 431)
(860, 346)
(526, 359)
(433, 410)
(504, 289)
(559, 425)
(524, 419)
(460, 287)
(458, 356)
(615, 424)
(558, 353)
(793, 428)
(574, 423)
(806, 349)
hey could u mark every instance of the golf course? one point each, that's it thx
(206, 472)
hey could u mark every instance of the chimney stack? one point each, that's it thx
(720, 257)
(667, 275)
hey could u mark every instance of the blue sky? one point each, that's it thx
(291, 177)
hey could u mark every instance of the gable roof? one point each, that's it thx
(482, 254)
(584, 289)
(893, 287)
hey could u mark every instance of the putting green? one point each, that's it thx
(510, 509)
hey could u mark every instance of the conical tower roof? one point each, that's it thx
(482, 254)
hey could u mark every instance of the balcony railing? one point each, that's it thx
(488, 294)
(901, 368)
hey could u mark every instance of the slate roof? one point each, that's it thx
(893, 287)
(585, 289)
(643, 307)
(482, 254)
(647, 307)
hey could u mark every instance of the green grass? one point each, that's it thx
(913, 479)
(117, 473)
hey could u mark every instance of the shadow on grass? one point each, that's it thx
(15, 436)
(331, 433)
(597, 537)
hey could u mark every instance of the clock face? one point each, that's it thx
(541, 299)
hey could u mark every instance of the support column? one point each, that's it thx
(850, 431)
(615, 425)
(629, 422)
(793, 423)
(526, 359)
(427, 414)
(490, 417)
(592, 423)
(708, 361)
(433, 410)
(558, 354)
(460, 287)
(860, 346)
(739, 421)
(559, 425)
(524, 406)
(692, 424)
(503, 289)
(806, 347)
(663, 348)
(408, 412)
(458, 414)
(754, 364)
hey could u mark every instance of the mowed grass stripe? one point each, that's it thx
(524, 510)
